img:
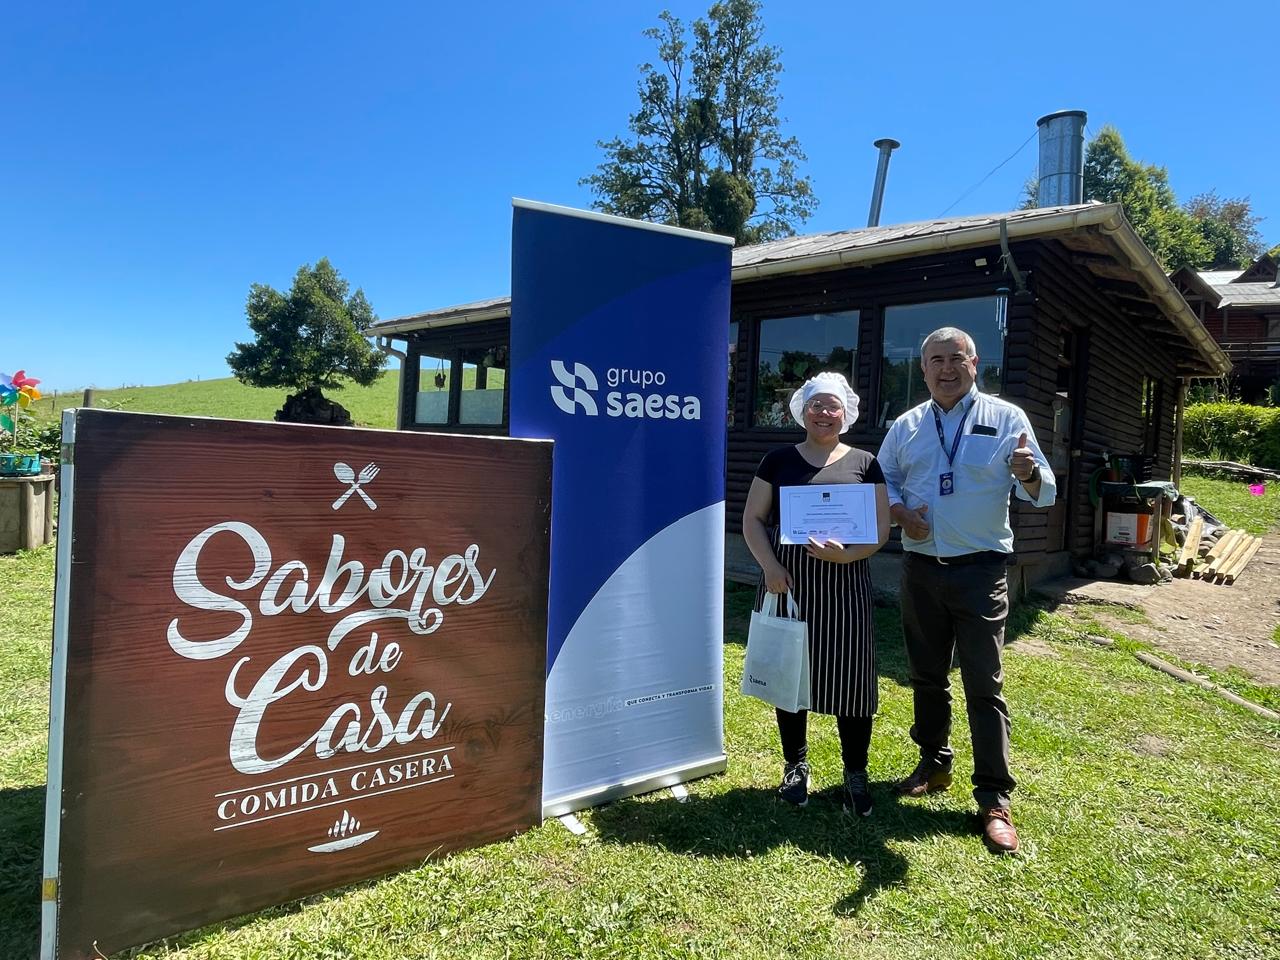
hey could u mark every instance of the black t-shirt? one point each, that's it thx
(787, 467)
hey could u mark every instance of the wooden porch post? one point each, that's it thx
(1177, 432)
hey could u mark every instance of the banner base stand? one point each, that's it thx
(647, 783)
(573, 824)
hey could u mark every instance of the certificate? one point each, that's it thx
(837, 511)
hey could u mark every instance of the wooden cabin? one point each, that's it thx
(1241, 309)
(1073, 319)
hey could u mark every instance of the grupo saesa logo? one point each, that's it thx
(631, 393)
(580, 397)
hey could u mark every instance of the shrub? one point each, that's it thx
(46, 439)
(1233, 431)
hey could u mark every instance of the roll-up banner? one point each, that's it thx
(619, 347)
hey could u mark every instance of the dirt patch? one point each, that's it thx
(1219, 626)
(1033, 646)
(1151, 745)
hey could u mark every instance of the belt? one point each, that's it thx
(982, 556)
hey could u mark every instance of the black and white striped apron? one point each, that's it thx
(836, 603)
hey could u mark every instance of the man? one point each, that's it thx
(949, 464)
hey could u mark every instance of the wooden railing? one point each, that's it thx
(1251, 352)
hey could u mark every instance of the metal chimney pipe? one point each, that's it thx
(1061, 180)
(886, 147)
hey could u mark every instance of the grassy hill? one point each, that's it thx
(373, 406)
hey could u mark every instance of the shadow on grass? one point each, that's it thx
(746, 822)
(21, 849)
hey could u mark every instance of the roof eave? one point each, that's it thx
(401, 326)
(1063, 221)
(1162, 291)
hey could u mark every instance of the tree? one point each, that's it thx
(1229, 227)
(1206, 232)
(308, 341)
(705, 149)
(1112, 176)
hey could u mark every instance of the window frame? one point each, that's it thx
(906, 300)
(750, 322)
(454, 364)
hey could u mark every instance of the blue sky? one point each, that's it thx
(159, 158)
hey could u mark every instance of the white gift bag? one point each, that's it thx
(777, 667)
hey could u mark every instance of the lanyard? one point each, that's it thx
(955, 442)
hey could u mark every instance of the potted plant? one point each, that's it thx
(16, 394)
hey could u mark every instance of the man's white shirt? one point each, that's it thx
(975, 516)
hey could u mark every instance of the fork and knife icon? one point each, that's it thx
(347, 475)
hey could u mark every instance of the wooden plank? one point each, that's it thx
(1225, 543)
(1238, 542)
(1189, 677)
(1191, 547)
(1238, 568)
(1228, 561)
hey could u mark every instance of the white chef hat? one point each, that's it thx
(831, 383)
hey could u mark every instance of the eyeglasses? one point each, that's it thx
(824, 406)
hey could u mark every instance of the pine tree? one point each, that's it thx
(705, 149)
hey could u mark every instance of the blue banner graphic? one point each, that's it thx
(619, 352)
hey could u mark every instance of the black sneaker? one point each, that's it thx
(795, 784)
(857, 793)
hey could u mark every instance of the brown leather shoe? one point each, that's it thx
(927, 777)
(998, 831)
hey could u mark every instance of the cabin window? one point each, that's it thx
(467, 388)
(484, 383)
(431, 405)
(902, 383)
(793, 349)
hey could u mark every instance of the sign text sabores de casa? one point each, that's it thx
(292, 658)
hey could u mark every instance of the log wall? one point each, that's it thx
(1117, 355)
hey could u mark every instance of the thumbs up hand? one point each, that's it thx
(1023, 460)
(912, 522)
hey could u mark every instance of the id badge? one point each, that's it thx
(946, 484)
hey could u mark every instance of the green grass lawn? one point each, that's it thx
(1147, 809)
(1232, 503)
(373, 406)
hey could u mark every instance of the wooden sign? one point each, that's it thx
(286, 658)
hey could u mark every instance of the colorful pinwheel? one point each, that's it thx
(17, 391)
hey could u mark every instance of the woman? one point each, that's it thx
(831, 584)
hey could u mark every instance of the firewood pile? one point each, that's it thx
(1194, 545)
(1216, 554)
